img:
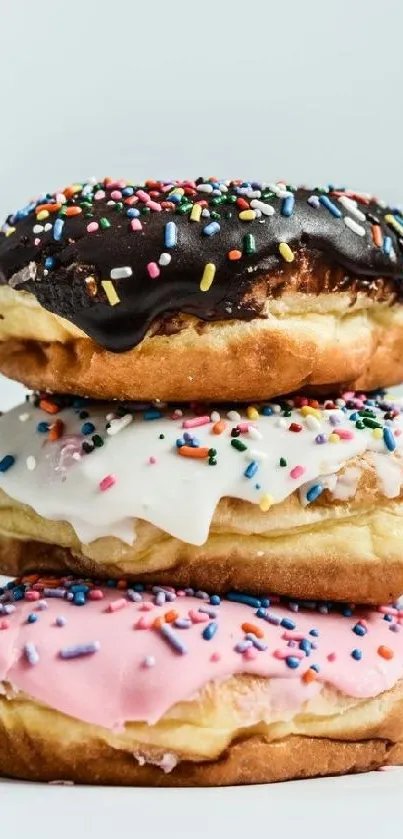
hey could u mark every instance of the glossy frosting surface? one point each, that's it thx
(112, 257)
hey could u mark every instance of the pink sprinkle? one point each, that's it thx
(96, 594)
(92, 227)
(107, 482)
(281, 654)
(215, 657)
(116, 195)
(153, 205)
(143, 623)
(243, 427)
(116, 605)
(196, 422)
(297, 472)
(344, 433)
(332, 657)
(198, 617)
(135, 224)
(349, 394)
(397, 432)
(153, 270)
(4, 624)
(36, 241)
(388, 610)
(177, 414)
(32, 595)
(152, 459)
(147, 606)
(143, 196)
(292, 635)
(99, 195)
(181, 593)
(250, 653)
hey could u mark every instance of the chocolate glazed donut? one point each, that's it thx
(124, 263)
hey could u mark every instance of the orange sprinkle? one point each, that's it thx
(309, 676)
(71, 190)
(158, 622)
(313, 403)
(234, 255)
(385, 652)
(377, 235)
(122, 585)
(189, 451)
(251, 627)
(51, 208)
(171, 616)
(30, 578)
(73, 211)
(49, 407)
(132, 199)
(219, 427)
(56, 430)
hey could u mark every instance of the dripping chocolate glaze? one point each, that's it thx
(335, 256)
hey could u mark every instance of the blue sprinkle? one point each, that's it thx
(239, 597)
(287, 623)
(394, 627)
(202, 595)
(210, 612)
(49, 263)
(323, 609)
(183, 623)
(388, 618)
(128, 190)
(179, 443)
(356, 654)
(287, 206)
(211, 229)
(314, 492)
(138, 587)
(346, 611)
(79, 599)
(387, 245)
(251, 470)
(88, 428)
(320, 438)
(265, 602)
(260, 645)
(389, 439)
(215, 600)
(325, 201)
(293, 607)
(152, 414)
(60, 621)
(58, 229)
(241, 646)
(32, 618)
(267, 411)
(134, 596)
(42, 427)
(359, 629)
(80, 649)
(209, 631)
(292, 662)
(175, 198)
(267, 616)
(132, 212)
(354, 416)
(170, 234)
(173, 640)
(79, 587)
(306, 646)
(7, 462)
(315, 667)
(187, 437)
(55, 592)
(314, 632)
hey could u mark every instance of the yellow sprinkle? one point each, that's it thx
(42, 215)
(252, 412)
(208, 276)
(196, 212)
(306, 410)
(76, 188)
(177, 191)
(286, 252)
(334, 438)
(110, 292)
(247, 215)
(394, 223)
(377, 433)
(265, 502)
(10, 231)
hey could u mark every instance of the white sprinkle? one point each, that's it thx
(149, 661)
(255, 454)
(352, 208)
(110, 417)
(110, 203)
(356, 228)
(281, 422)
(206, 213)
(118, 424)
(275, 408)
(204, 188)
(234, 416)
(254, 433)
(24, 417)
(38, 228)
(121, 273)
(31, 653)
(312, 422)
(61, 198)
(47, 227)
(266, 209)
(215, 416)
(164, 259)
(31, 462)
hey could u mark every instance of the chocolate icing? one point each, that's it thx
(312, 233)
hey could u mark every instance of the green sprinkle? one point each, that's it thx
(215, 216)
(104, 223)
(98, 441)
(238, 445)
(267, 195)
(162, 436)
(145, 211)
(229, 199)
(118, 206)
(228, 214)
(212, 461)
(220, 199)
(249, 244)
(183, 208)
(366, 412)
(286, 412)
(212, 452)
(360, 425)
(371, 423)
(283, 461)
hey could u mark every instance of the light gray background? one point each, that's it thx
(306, 90)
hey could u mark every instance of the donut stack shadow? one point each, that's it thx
(207, 571)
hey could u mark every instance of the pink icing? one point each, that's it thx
(136, 675)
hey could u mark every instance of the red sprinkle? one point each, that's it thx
(385, 652)
(4, 624)
(49, 407)
(295, 426)
(96, 594)
(32, 595)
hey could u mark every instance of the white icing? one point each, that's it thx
(175, 493)
(346, 484)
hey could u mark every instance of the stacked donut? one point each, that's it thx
(189, 540)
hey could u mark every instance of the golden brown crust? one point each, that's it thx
(42, 745)
(322, 341)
